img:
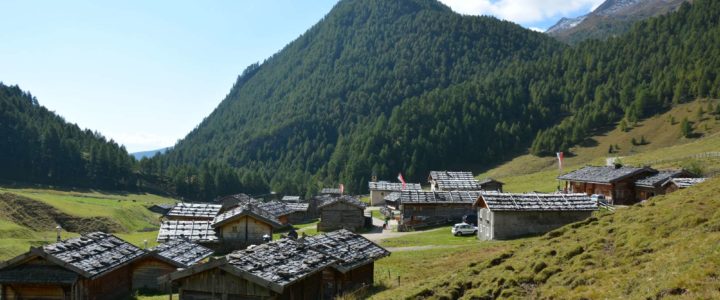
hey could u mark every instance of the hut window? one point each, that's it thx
(234, 229)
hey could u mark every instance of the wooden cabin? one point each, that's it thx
(424, 208)
(285, 212)
(617, 183)
(319, 267)
(243, 226)
(489, 184)
(380, 189)
(230, 201)
(343, 212)
(675, 184)
(299, 214)
(453, 181)
(93, 266)
(193, 212)
(506, 216)
(165, 259)
(652, 185)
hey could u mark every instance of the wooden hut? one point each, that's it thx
(343, 212)
(355, 265)
(299, 214)
(424, 208)
(506, 216)
(193, 212)
(285, 212)
(319, 267)
(489, 184)
(453, 181)
(675, 184)
(230, 201)
(243, 226)
(165, 259)
(652, 185)
(93, 266)
(380, 189)
(617, 183)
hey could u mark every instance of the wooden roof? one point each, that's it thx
(195, 210)
(604, 174)
(344, 199)
(392, 186)
(444, 197)
(351, 250)
(283, 262)
(684, 182)
(195, 231)
(91, 255)
(661, 177)
(451, 180)
(182, 252)
(247, 209)
(536, 202)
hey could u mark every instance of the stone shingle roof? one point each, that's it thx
(194, 210)
(536, 202)
(291, 198)
(488, 180)
(279, 263)
(92, 254)
(247, 209)
(605, 174)
(182, 252)
(659, 178)
(392, 186)
(445, 197)
(298, 207)
(335, 191)
(450, 180)
(195, 231)
(685, 182)
(346, 199)
(393, 197)
(350, 249)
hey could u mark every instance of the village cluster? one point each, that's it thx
(224, 250)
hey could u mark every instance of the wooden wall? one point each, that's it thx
(341, 215)
(419, 215)
(242, 232)
(35, 291)
(218, 284)
(146, 272)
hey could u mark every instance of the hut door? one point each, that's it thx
(329, 286)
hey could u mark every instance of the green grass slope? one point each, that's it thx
(28, 216)
(666, 148)
(665, 247)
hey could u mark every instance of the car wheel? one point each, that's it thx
(475, 232)
(457, 234)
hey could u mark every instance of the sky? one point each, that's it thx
(145, 73)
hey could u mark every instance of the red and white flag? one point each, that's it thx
(402, 179)
(560, 157)
(342, 189)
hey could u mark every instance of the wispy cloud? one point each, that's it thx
(521, 11)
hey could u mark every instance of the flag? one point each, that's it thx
(402, 179)
(560, 157)
(342, 189)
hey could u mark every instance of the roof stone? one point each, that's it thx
(537, 202)
(247, 209)
(195, 231)
(604, 174)
(392, 186)
(195, 210)
(346, 199)
(183, 252)
(444, 197)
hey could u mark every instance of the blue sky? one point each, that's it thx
(144, 73)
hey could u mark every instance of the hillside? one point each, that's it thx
(665, 247)
(431, 87)
(612, 18)
(149, 154)
(293, 116)
(38, 146)
(28, 216)
(665, 147)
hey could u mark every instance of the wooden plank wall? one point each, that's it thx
(341, 215)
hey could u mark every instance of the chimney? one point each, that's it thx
(145, 243)
(59, 229)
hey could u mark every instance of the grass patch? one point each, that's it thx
(434, 237)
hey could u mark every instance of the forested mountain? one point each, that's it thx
(39, 146)
(288, 117)
(407, 86)
(612, 18)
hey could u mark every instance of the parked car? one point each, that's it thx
(463, 229)
(470, 219)
(599, 198)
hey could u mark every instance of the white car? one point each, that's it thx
(463, 229)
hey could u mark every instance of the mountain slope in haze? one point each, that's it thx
(286, 117)
(38, 146)
(612, 18)
(149, 154)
